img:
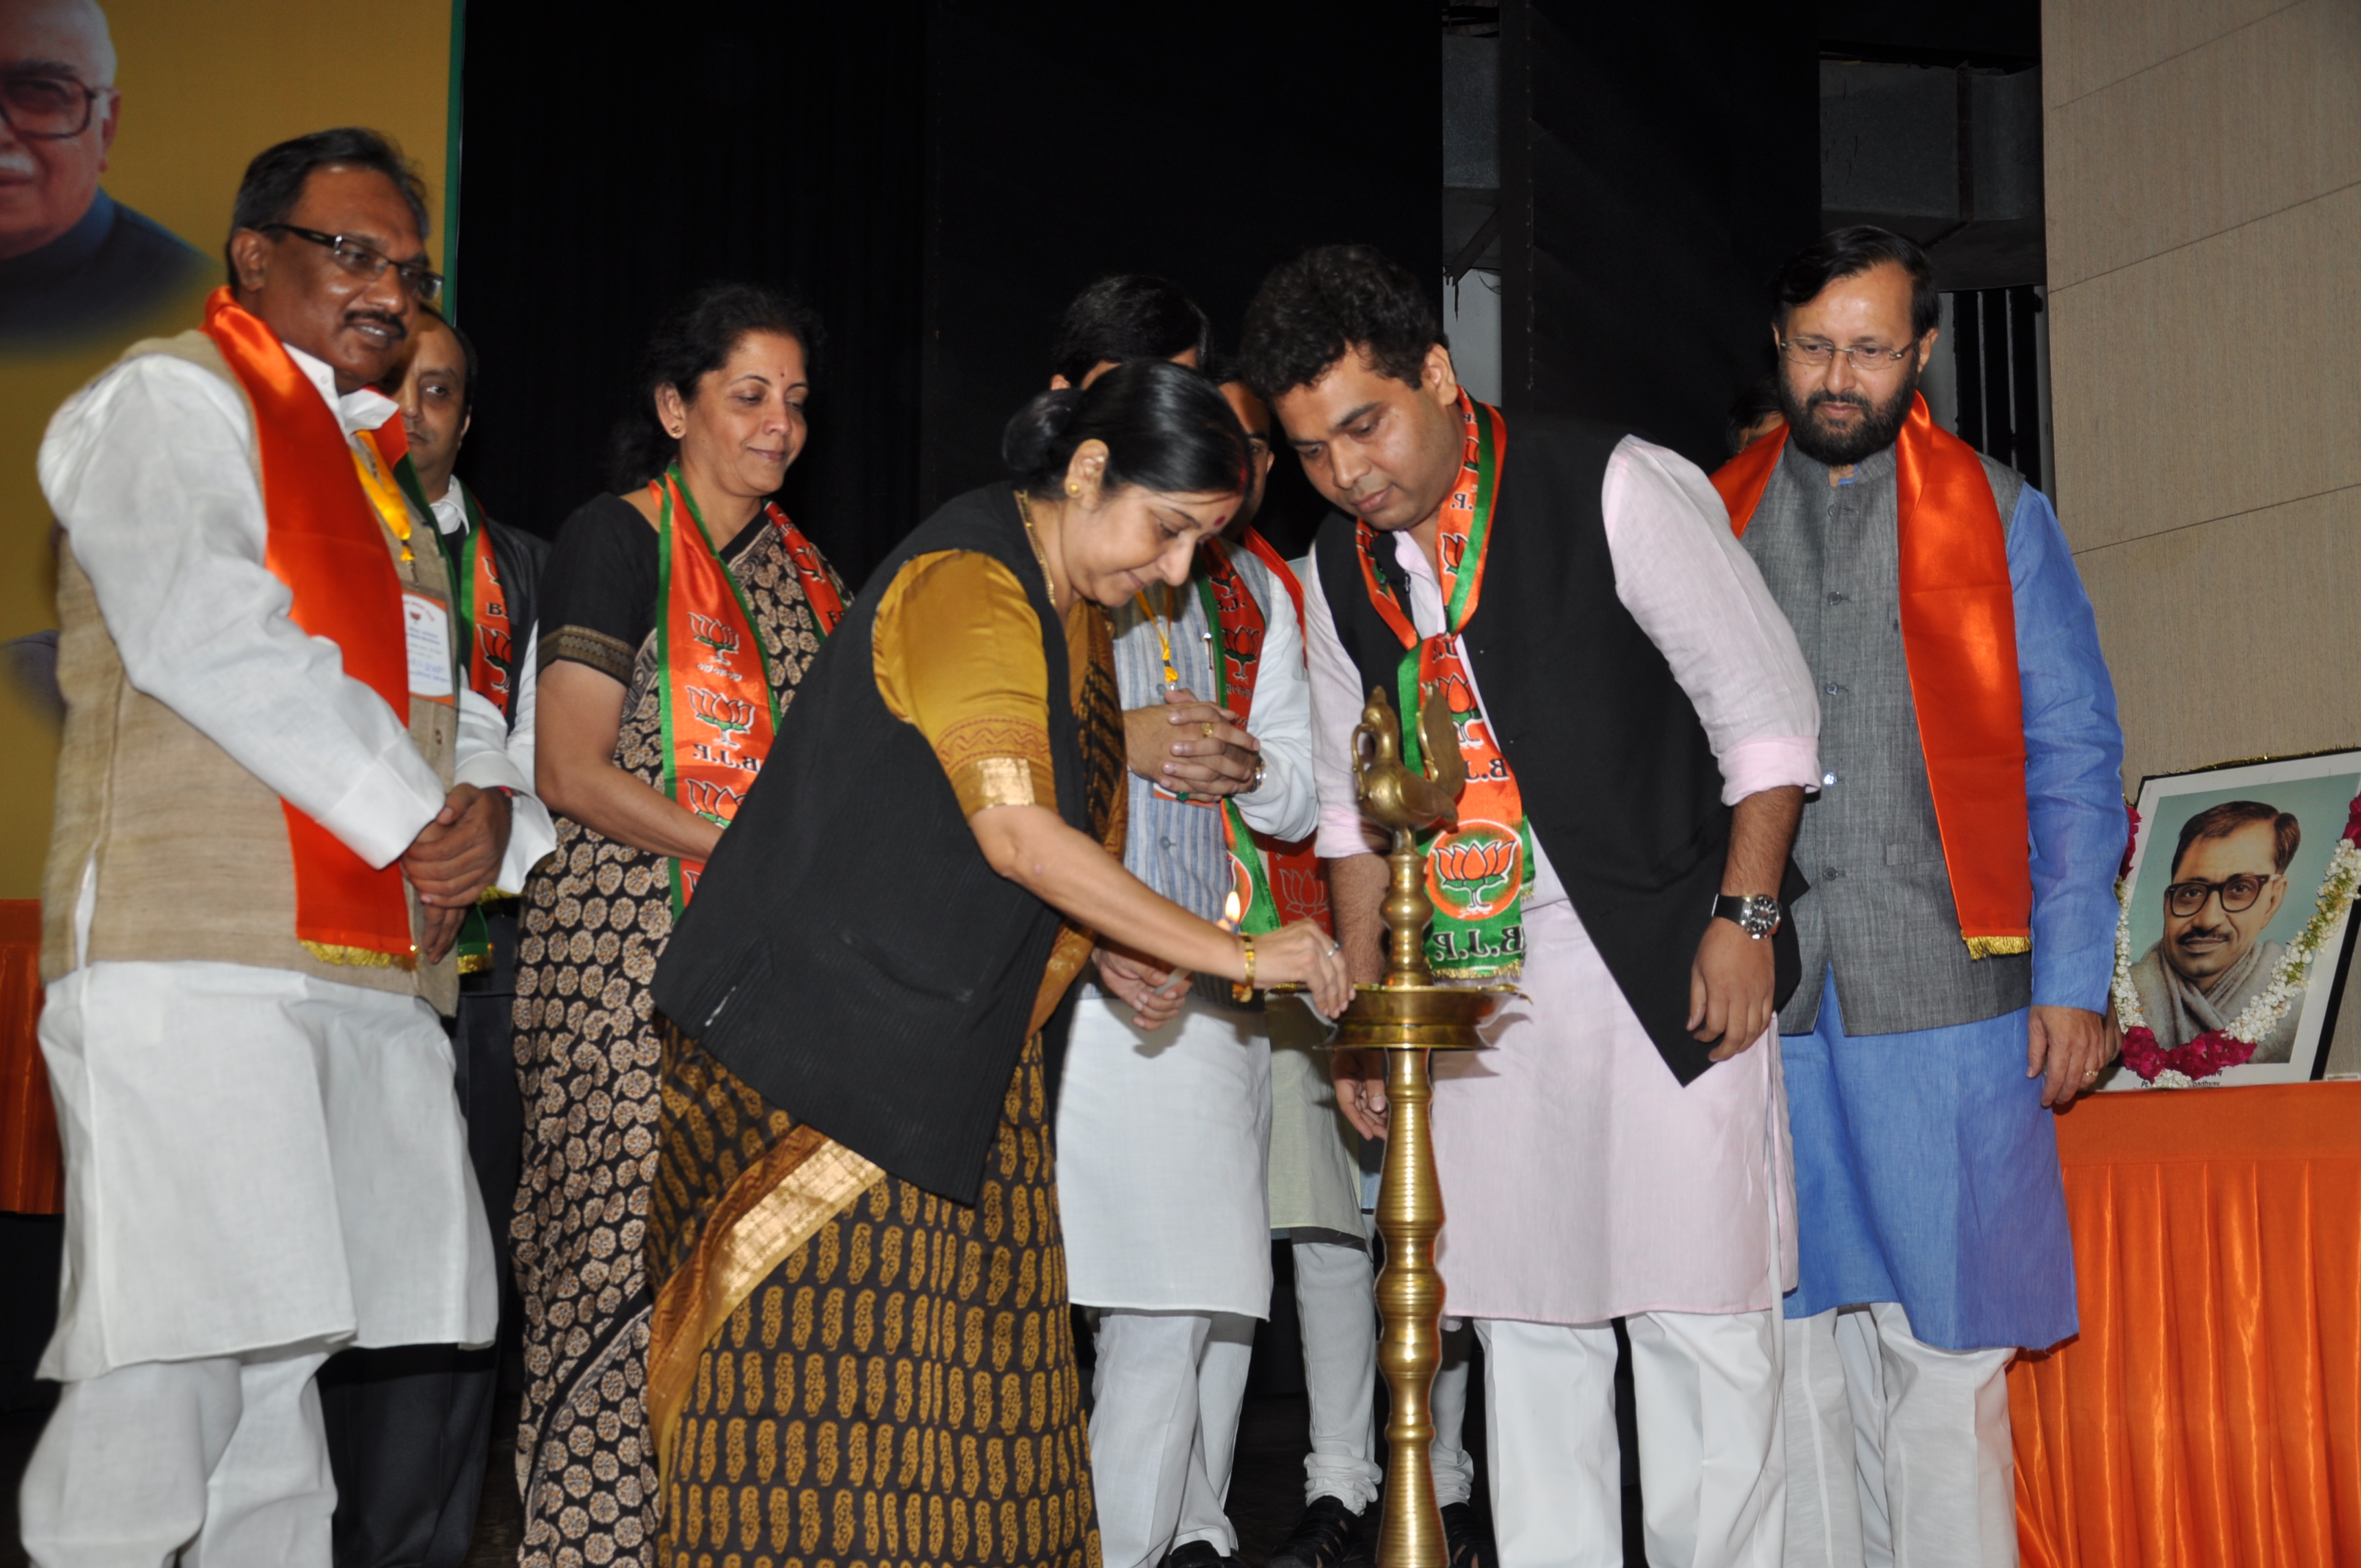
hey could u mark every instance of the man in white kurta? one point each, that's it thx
(1582, 1181)
(262, 1164)
(1164, 1123)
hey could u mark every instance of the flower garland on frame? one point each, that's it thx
(2202, 1059)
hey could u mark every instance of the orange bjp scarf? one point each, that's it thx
(324, 544)
(1959, 636)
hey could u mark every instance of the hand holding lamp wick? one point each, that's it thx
(1229, 922)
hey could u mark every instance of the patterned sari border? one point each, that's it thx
(774, 1207)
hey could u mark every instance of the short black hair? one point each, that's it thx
(467, 358)
(274, 180)
(1128, 316)
(1747, 411)
(1849, 253)
(1312, 312)
(2220, 821)
(695, 339)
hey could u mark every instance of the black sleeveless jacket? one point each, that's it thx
(1618, 778)
(850, 953)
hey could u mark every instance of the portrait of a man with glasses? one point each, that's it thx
(2229, 878)
(73, 261)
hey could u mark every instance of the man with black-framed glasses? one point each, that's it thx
(73, 261)
(278, 797)
(2229, 878)
(1959, 941)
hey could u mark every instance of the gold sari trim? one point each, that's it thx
(774, 1206)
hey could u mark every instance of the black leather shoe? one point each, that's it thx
(1196, 1554)
(1327, 1535)
(1464, 1545)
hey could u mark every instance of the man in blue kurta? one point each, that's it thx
(1959, 941)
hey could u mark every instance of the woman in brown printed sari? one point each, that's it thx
(678, 619)
(860, 1350)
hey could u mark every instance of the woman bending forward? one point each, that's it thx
(861, 1349)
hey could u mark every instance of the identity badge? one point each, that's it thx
(427, 627)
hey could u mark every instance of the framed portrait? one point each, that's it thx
(2235, 937)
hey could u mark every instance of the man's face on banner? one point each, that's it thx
(2224, 894)
(57, 86)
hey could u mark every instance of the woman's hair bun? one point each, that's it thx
(1036, 427)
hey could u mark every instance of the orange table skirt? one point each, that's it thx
(2209, 1414)
(32, 1169)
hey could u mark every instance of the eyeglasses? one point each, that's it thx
(48, 108)
(2238, 895)
(1818, 352)
(367, 261)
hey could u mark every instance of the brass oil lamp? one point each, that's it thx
(1406, 1015)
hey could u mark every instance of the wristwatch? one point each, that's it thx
(1756, 914)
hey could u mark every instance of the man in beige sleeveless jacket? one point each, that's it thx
(264, 1157)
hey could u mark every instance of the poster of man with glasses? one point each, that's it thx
(2229, 871)
(74, 262)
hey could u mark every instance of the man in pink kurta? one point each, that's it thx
(1621, 1150)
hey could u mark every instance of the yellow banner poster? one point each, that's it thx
(125, 127)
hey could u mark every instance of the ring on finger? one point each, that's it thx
(1207, 729)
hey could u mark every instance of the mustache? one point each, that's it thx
(1825, 397)
(390, 323)
(2209, 929)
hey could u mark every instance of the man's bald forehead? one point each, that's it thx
(72, 33)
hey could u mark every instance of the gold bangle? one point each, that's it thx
(1246, 942)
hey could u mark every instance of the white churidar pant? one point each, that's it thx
(214, 1464)
(1455, 1467)
(1706, 1390)
(1899, 1453)
(1164, 1422)
(1335, 1299)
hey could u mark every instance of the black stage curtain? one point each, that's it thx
(609, 168)
(1205, 142)
(1657, 163)
(938, 180)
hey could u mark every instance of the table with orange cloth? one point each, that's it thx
(32, 1171)
(2209, 1413)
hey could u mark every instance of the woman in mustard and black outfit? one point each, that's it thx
(678, 619)
(861, 1348)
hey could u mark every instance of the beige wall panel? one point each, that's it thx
(2241, 127)
(2213, 379)
(2090, 44)
(2233, 639)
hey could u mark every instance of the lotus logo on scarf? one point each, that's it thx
(714, 633)
(716, 803)
(1466, 868)
(732, 716)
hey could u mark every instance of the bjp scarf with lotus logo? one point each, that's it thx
(1476, 874)
(719, 711)
(1273, 882)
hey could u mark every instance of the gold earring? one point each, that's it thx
(1072, 488)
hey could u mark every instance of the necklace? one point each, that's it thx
(1040, 556)
(1163, 624)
